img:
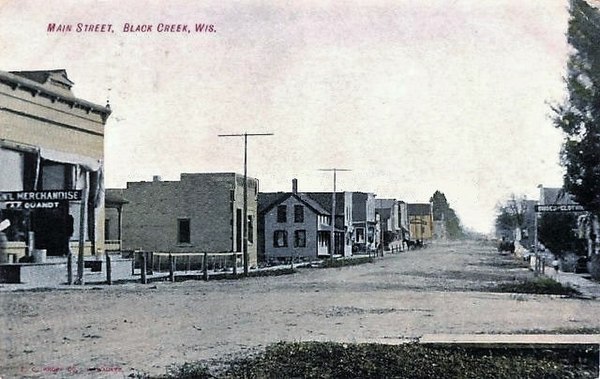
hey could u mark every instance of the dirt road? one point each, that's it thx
(112, 331)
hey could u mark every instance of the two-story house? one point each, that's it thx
(294, 225)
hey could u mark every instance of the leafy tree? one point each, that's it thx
(556, 232)
(579, 115)
(442, 211)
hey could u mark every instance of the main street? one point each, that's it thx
(443, 288)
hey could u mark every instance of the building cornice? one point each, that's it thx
(18, 82)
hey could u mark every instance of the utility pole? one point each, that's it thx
(332, 237)
(245, 211)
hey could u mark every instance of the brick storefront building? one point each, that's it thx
(199, 213)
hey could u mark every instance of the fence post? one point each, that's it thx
(234, 263)
(133, 258)
(205, 266)
(70, 268)
(171, 268)
(108, 269)
(144, 279)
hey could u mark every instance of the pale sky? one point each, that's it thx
(413, 96)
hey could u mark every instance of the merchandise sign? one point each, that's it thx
(559, 208)
(38, 199)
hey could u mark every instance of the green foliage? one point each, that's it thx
(442, 211)
(411, 360)
(328, 263)
(555, 231)
(193, 370)
(541, 285)
(579, 115)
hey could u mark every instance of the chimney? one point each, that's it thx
(294, 186)
(156, 178)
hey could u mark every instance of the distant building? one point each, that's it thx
(365, 233)
(420, 216)
(201, 212)
(50, 140)
(403, 219)
(343, 218)
(388, 211)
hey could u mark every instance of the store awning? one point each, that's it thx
(89, 164)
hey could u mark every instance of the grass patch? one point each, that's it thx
(508, 264)
(337, 360)
(328, 263)
(540, 285)
(572, 330)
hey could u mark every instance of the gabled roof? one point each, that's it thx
(556, 196)
(324, 199)
(270, 200)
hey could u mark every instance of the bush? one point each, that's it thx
(194, 370)
(594, 266)
(541, 285)
(328, 263)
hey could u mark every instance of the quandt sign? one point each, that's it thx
(38, 199)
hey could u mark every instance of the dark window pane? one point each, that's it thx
(183, 230)
(298, 213)
(281, 213)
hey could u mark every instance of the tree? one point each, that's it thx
(442, 211)
(511, 214)
(556, 232)
(579, 115)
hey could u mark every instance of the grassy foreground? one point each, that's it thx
(337, 360)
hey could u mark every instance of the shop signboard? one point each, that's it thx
(49, 199)
(559, 208)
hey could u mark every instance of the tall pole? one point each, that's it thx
(333, 216)
(82, 226)
(333, 204)
(245, 211)
(244, 222)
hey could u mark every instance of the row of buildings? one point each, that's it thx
(204, 212)
(52, 195)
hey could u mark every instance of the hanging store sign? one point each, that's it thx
(559, 208)
(35, 196)
(38, 199)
